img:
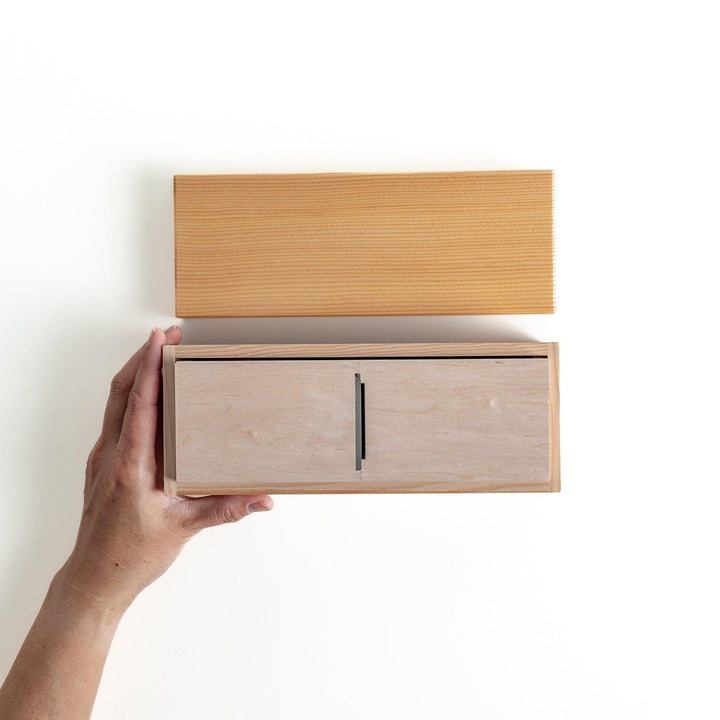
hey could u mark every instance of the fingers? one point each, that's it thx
(200, 513)
(139, 426)
(122, 383)
(117, 400)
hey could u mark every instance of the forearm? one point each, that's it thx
(129, 535)
(57, 672)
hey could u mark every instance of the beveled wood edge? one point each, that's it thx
(426, 173)
(169, 457)
(338, 350)
(548, 308)
(554, 415)
(362, 486)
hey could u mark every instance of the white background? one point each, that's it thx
(599, 602)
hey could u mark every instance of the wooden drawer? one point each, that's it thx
(458, 417)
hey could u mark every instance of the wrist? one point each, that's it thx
(71, 593)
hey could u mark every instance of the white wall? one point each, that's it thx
(600, 602)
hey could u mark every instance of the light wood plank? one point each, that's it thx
(340, 350)
(554, 415)
(168, 377)
(364, 244)
(299, 486)
(244, 424)
(440, 421)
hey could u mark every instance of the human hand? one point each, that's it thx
(130, 531)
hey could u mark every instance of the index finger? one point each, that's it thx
(117, 399)
(139, 427)
(122, 384)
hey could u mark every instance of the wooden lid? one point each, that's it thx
(364, 244)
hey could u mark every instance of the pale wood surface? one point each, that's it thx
(338, 350)
(440, 421)
(264, 422)
(168, 409)
(554, 415)
(221, 391)
(364, 244)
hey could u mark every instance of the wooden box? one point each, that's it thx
(448, 417)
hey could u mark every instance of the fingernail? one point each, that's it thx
(152, 332)
(171, 328)
(258, 507)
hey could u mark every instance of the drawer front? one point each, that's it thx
(435, 424)
(279, 423)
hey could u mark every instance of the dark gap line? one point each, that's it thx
(359, 426)
(375, 357)
(362, 416)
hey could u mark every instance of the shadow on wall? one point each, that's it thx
(455, 328)
(155, 257)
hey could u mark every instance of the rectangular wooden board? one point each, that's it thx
(364, 244)
(247, 419)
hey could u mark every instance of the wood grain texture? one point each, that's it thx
(554, 414)
(264, 422)
(340, 350)
(434, 422)
(169, 424)
(364, 244)
(270, 398)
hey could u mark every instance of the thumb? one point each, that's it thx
(220, 509)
